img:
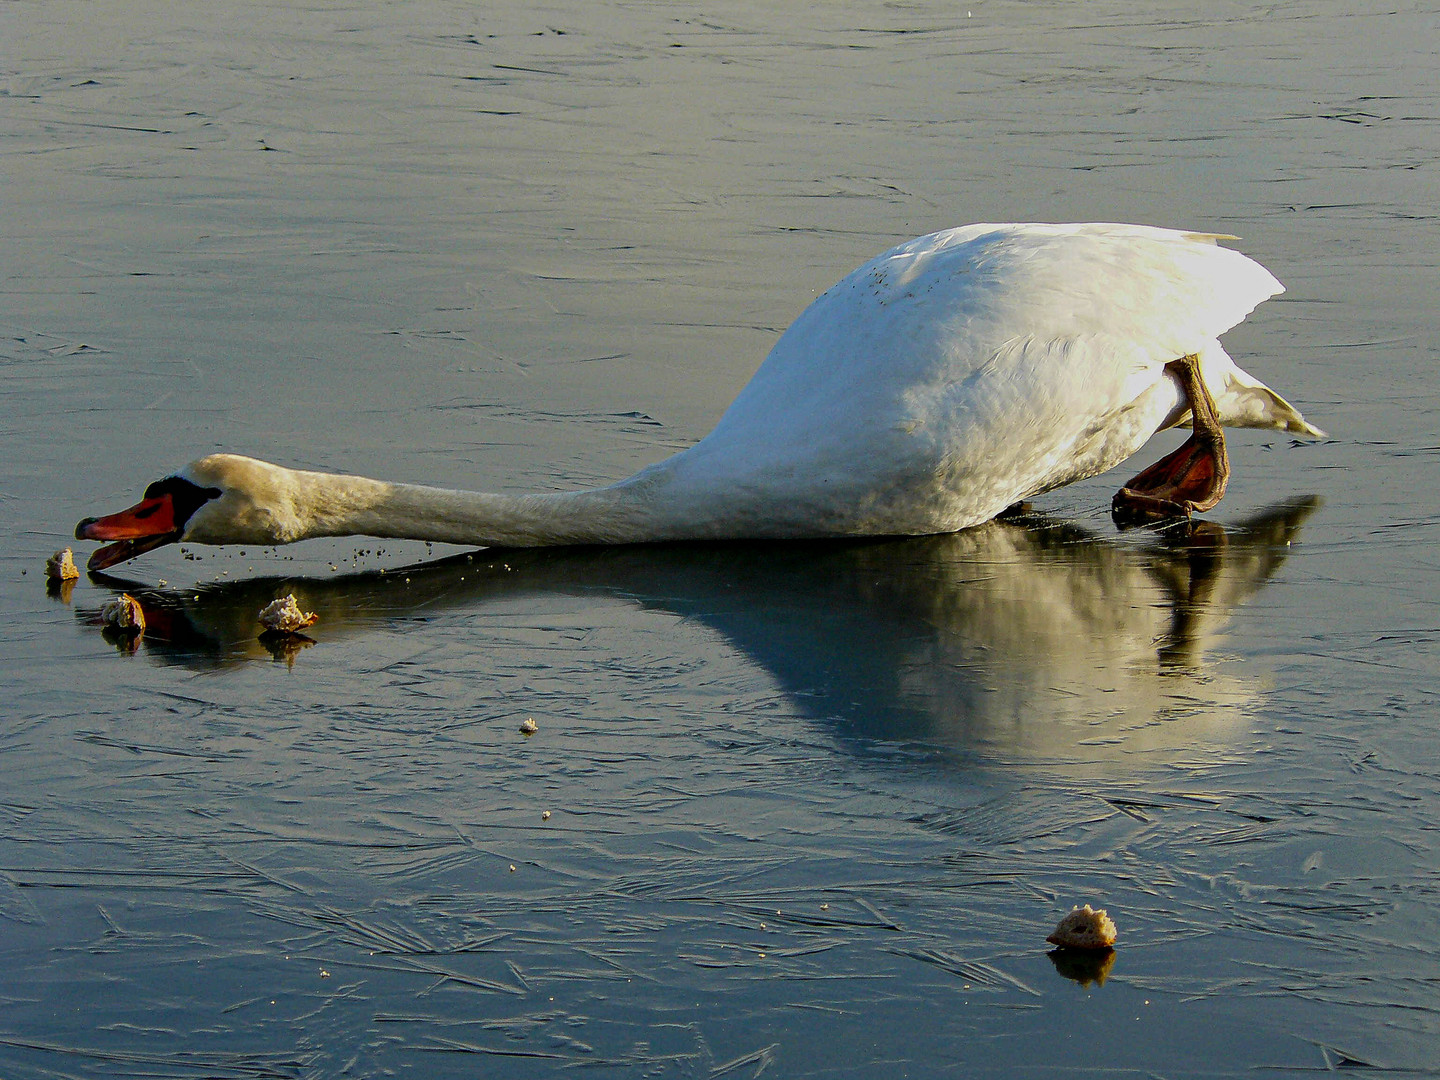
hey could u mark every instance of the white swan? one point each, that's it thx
(930, 389)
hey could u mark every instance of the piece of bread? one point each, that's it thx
(284, 616)
(123, 613)
(61, 566)
(1084, 928)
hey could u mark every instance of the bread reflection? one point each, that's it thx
(1024, 637)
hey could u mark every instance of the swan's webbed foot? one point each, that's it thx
(1189, 479)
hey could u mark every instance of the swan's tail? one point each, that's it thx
(1250, 403)
(1241, 400)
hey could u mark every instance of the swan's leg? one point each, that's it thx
(1194, 476)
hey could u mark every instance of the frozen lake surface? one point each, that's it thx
(812, 809)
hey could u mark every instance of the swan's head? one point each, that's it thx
(221, 499)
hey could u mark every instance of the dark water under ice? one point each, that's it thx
(813, 808)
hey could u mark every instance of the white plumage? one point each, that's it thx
(958, 373)
(927, 391)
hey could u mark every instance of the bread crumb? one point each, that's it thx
(1084, 928)
(123, 613)
(285, 617)
(61, 566)
(529, 727)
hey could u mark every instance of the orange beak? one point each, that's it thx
(147, 525)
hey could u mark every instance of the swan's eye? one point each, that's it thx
(185, 497)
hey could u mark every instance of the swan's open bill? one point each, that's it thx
(157, 519)
(946, 379)
(1194, 476)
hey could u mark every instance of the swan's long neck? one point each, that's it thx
(680, 498)
(331, 505)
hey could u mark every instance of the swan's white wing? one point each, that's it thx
(936, 311)
(985, 358)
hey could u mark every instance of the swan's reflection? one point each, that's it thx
(1023, 637)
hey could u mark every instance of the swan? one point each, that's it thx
(938, 384)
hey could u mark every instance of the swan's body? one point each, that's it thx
(930, 389)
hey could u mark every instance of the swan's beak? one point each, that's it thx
(147, 525)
